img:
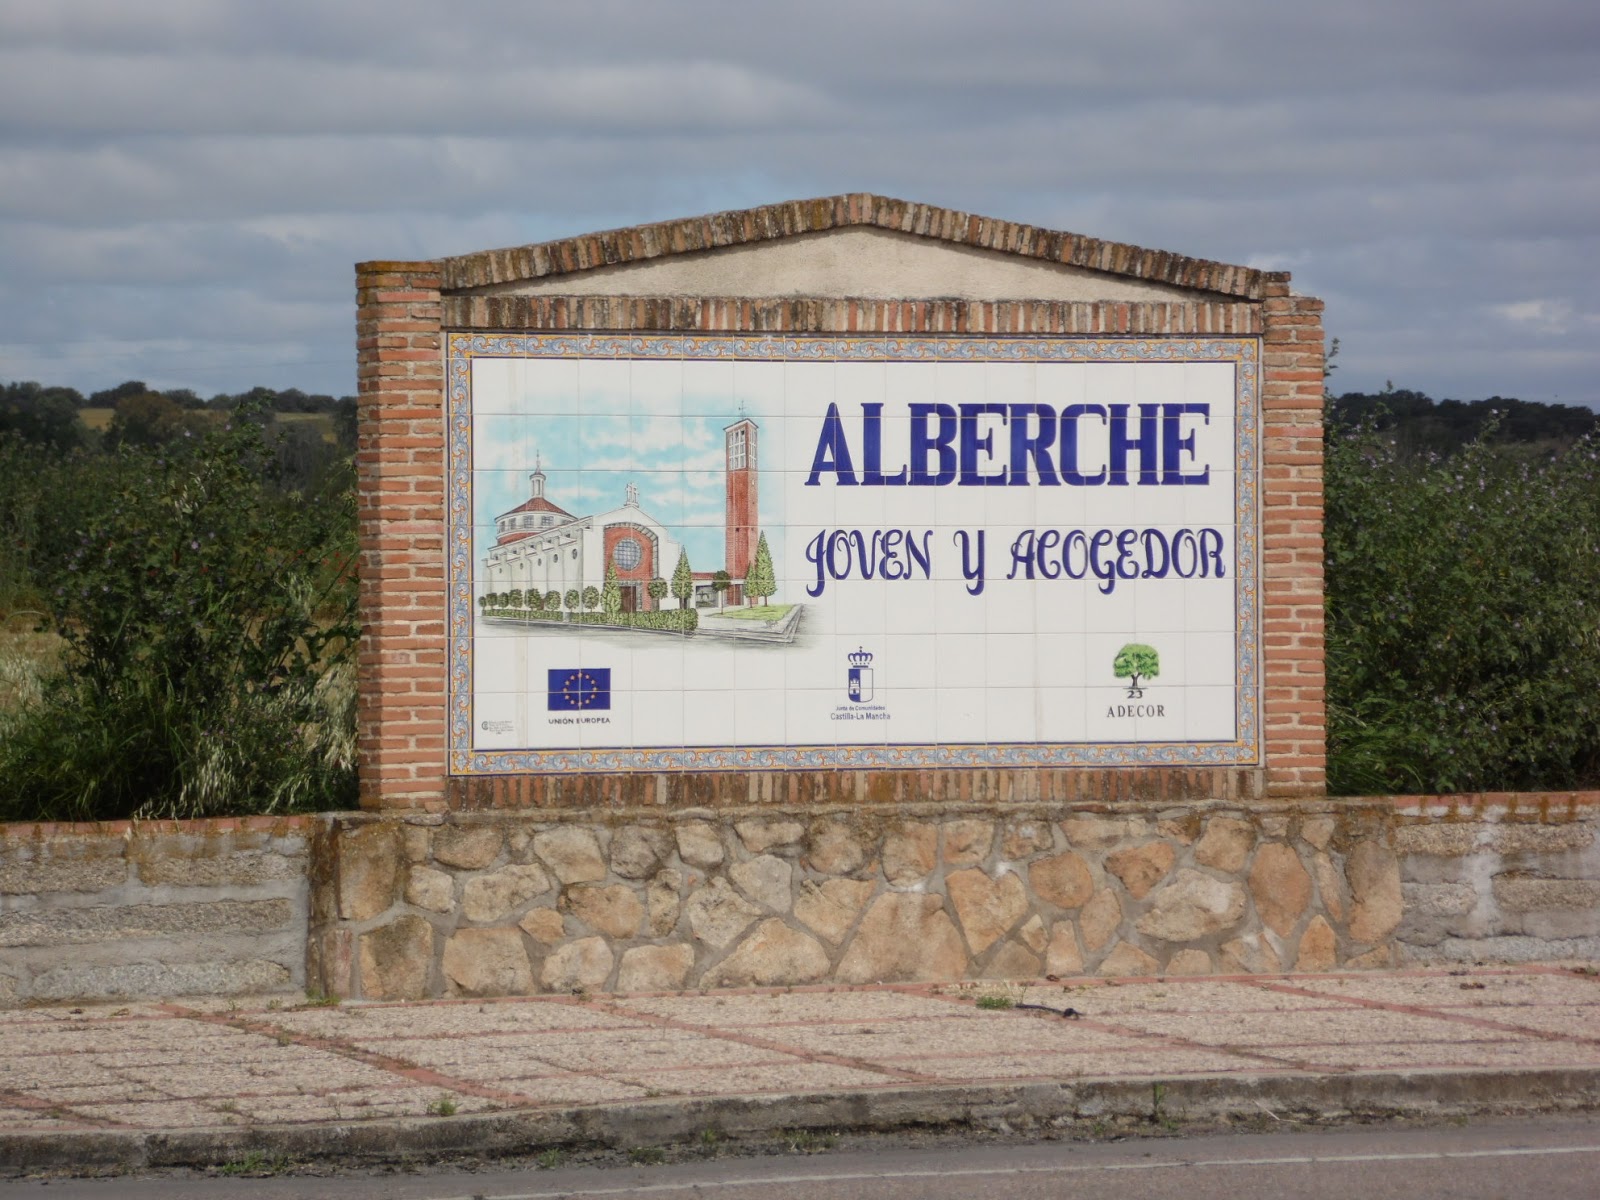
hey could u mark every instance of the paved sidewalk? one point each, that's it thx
(197, 1081)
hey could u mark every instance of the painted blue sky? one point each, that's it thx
(639, 423)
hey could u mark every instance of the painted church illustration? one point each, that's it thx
(541, 546)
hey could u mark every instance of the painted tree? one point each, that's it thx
(535, 599)
(720, 583)
(483, 602)
(591, 598)
(1136, 661)
(760, 582)
(657, 589)
(611, 598)
(682, 579)
(552, 601)
(571, 600)
(515, 600)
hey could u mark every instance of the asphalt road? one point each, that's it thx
(1556, 1156)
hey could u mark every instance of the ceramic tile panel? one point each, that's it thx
(746, 551)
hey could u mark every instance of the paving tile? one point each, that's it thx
(456, 1054)
(772, 1077)
(1198, 997)
(994, 1033)
(1455, 1055)
(792, 1006)
(645, 1049)
(444, 1020)
(163, 1114)
(1456, 991)
(570, 1089)
(1341, 1026)
(1572, 1020)
(1121, 1063)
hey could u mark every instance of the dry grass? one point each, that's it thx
(97, 418)
(25, 658)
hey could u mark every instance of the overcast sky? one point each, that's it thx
(185, 184)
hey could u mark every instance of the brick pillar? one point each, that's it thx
(1293, 673)
(400, 471)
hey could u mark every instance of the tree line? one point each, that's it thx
(198, 572)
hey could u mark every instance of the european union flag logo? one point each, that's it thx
(586, 688)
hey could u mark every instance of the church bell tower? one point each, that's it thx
(741, 520)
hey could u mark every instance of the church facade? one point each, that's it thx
(540, 546)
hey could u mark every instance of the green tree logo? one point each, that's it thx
(1134, 662)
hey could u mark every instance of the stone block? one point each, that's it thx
(396, 960)
(430, 889)
(1442, 839)
(1191, 907)
(655, 968)
(774, 955)
(418, 840)
(718, 914)
(830, 908)
(580, 966)
(614, 911)
(1062, 879)
(1062, 957)
(369, 869)
(1023, 839)
(1189, 962)
(1142, 867)
(987, 908)
(1100, 919)
(760, 835)
(1097, 833)
(1181, 829)
(1281, 886)
(1128, 960)
(1226, 844)
(469, 847)
(904, 937)
(1373, 873)
(572, 853)
(637, 851)
(1330, 887)
(834, 848)
(1522, 894)
(487, 962)
(1317, 832)
(498, 894)
(123, 922)
(910, 853)
(967, 842)
(1319, 948)
(766, 879)
(544, 925)
(223, 870)
(1249, 954)
(138, 980)
(1013, 961)
(1033, 934)
(29, 877)
(699, 843)
(662, 903)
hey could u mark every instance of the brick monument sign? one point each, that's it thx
(848, 590)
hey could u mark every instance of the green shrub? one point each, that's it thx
(210, 627)
(1463, 602)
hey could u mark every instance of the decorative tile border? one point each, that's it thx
(1243, 353)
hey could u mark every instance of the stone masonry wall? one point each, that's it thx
(1507, 878)
(480, 904)
(126, 910)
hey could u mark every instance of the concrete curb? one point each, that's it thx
(660, 1122)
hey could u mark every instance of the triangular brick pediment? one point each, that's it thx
(856, 245)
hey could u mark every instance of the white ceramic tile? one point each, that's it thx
(961, 662)
(1210, 658)
(1010, 715)
(1061, 714)
(758, 717)
(708, 717)
(1209, 713)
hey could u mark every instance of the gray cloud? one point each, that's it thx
(184, 185)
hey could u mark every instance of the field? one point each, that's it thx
(99, 420)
